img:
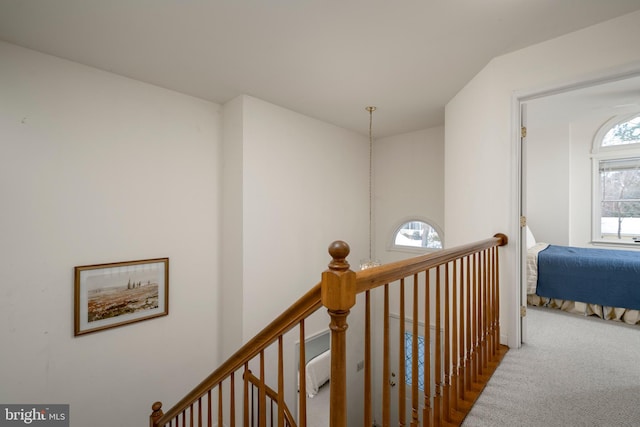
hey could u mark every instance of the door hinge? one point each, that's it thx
(523, 132)
(523, 221)
(523, 311)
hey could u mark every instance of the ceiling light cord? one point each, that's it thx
(371, 110)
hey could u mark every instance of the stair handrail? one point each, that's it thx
(388, 273)
(299, 310)
(312, 300)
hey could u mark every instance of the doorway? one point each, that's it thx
(554, 160)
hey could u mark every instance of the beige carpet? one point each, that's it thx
(573, 371)
(318, 408)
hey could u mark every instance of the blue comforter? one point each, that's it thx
(596, 276)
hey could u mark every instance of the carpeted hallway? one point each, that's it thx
(573, 371)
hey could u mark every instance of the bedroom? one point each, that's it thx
(559, 192)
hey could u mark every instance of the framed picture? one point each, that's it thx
(119, 293)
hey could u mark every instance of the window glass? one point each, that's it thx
(620, 198)
(616, 190)
(417, 234)
(408, 347)
(627, 132)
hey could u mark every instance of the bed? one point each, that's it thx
(588, 281)
(318, 372)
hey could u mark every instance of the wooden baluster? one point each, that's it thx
(497, 297)
(386, 371)
(200, 412)
(220, 406)
(496, 303)
(156, 413)
(338, 295)
(489, 311)
(280, 384)
(482, 299)
(209, 411)
(262, 395)
(401, 362)
(191, 414)
(437, 401)
(497, 291)
(454, 338)
(368, 418)
(463, 361)
(245, 410)
(427, 414)
(476, 330)
(494, 314)
(415, 421)
(469, 333)
(302, 378)
(232, 415)
(253, 405)
(487, 315)
(446, 404)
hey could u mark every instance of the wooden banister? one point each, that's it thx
(387, 273)
(301, 309)
(461, 296)
(287, 417)
(338, 295)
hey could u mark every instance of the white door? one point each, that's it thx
(395, 377)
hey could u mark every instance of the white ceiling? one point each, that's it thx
(326, 59)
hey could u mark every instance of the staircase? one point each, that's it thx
(450, 298)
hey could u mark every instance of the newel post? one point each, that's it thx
(156, 414)
(338, 295)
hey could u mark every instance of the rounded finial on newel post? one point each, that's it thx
(156, 414)
(339, 252)
(338, 281)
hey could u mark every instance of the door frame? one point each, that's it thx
(518, 102)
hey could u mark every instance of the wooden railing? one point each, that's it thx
(455, 292)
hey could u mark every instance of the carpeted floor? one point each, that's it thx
(318, 408)
(573, 371)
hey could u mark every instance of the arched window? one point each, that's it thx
(616, 181)
(417, 234)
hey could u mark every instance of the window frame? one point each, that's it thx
(600, 153)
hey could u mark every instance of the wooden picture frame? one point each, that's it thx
(119, 293)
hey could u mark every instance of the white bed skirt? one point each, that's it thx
(318, 372)
(632, 317)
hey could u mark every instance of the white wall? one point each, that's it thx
(548, 178)
(480, 173)
(298, 185)
(580, 184)
(408, 183)
(231, 312)
(98, 168)
(558, 173)
(304, 186)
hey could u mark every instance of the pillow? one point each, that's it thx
(531, 241)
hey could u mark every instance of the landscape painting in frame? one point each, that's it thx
(115, 294)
